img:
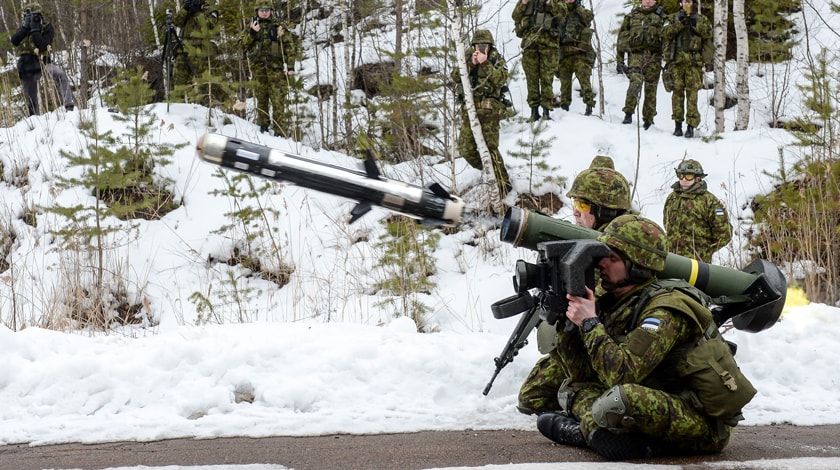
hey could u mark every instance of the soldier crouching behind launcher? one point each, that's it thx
(628, 393)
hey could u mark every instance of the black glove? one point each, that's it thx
(682, 16)
(36, 23)
(692, 19)
(272, 33)
(27, 22)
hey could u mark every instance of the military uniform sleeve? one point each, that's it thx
(632, 359)
(498, 76)
(621, 45)
(671, 28)
(719, 226)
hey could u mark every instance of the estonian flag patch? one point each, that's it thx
(651, 324)
(718, 211)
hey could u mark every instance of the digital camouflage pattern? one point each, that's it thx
(536, 23)
(576, 53)
(487, 81)
(684, 56)
(640, 239)
(602, 186)
(272, 51)
(696, 221)
(640, 39)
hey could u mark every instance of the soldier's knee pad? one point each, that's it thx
(612, 410)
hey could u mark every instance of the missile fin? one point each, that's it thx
(361, 209)
(438, 190)
(370, 165)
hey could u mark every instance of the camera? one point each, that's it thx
(482, 48)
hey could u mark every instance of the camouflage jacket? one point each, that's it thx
(696, 222)
(641, 31)
(683, 44)
(536, 22)
(487, 79)
(195, 25)
(267, 48)
(575, 31)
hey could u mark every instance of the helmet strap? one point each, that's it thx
(603, 214)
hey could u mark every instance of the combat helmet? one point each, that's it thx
(482, 36)
(263, 4)
(602, 161)
(640, 240)
(35, 8)
(603, 187)
(690, 166)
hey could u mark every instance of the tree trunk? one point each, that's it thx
(721, 20)
(600, 62)
(742, 86)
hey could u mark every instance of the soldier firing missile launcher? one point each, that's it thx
(432, 205)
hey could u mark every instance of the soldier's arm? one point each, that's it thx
(719, 225)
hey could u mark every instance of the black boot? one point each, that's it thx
(564, 107)
(678, 128)
(647, 124)
(264, 129)
(546, 114)
(535, 114)
(588, 110)
(689, 132)
(628, 118)
(561, 429)
(623, 446)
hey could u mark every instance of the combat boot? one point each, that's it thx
(535, 114)
(624, 446)
(689, 132)
(561, 429)
(564, 107)
(678, 128)
(628, 118)
(588, 110)
(647, 124)
(546, 114)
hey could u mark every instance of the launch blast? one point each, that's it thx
(432, 205)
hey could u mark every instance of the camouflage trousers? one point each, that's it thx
(662, 415)
(579, 65)
(489, 120)
(539, 64)
(644, 73)
(271, 88)
(538, 393)
(688, 79)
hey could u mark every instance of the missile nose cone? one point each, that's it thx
(211, 147)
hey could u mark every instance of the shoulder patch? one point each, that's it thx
(650, 324)
(718, 212)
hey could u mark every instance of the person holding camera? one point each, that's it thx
(576, 54)
(272, 49)
(33, 45)
(640, 39)
(195, 20)
(488, 77)
(688, 47)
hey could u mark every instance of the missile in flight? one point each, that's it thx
(431, 205)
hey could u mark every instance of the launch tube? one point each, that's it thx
(432, 205)
(753, 297)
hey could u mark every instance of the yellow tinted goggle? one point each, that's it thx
(686, 176)
(581, 206)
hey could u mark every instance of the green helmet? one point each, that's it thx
(33, 8)
(482, 36)
(263, 4)
(602, 161)
(690, 166)
(639, 239)
(604, 187)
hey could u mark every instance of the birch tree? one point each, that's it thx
(742, 55)
(721, 14)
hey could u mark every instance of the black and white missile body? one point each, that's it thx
(432, 205)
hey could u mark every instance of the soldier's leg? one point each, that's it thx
(531, 67)
(466, 144)
(633, 91)
(262, 93)
(548, 66)
(651, 79)
(583, 72)
(678, 94)
(62, 85)
(693, 83)
(490, 128)
(30, 92)
(538, 393)
(564, 73)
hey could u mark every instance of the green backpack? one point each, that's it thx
(707, 366)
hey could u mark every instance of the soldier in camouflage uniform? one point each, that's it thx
(196, 20)
(600, 195)
(696, 221)
(687, 47)
(640, 38)
(272, 49)
(624, 398)
(488, 76)
(535, 21)
(576, 54)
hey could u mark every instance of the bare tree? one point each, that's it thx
(742, 56)
(720, 21)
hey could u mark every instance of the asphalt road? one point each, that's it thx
(401, 451)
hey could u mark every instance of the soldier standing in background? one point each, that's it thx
(272, 50)
(696, 221)
(33, 45)
(576, 54)
(488, 76)
(687, 43)
(194, 20)
(640, 38)
(535, 21)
